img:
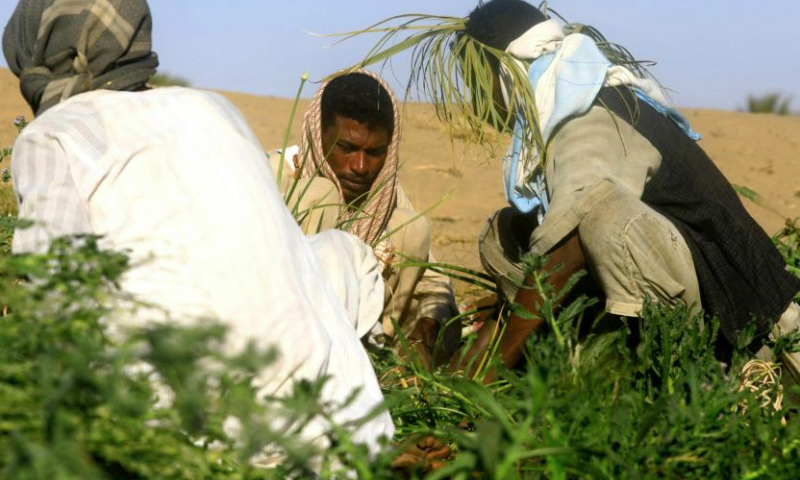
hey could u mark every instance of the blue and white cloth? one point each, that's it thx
(566, 73)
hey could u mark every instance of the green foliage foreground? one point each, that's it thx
(77, 404)
(644, 400)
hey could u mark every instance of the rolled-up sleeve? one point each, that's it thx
(589, 157)
(46, 193)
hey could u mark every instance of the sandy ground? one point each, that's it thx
(461, 183)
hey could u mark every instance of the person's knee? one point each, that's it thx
(489, 247)
(634, 252)
(508, 232)
(616, 226)
(599, 231)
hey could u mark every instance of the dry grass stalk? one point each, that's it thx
(764, 379)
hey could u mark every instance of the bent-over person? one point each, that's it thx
(176, 178)
(620, 188)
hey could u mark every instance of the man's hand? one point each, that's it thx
(422, 456)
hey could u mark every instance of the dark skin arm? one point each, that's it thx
(427, 453)
(569, 255)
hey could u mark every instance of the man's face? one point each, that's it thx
(356, 154)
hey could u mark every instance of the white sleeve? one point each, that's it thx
(352, 270)
(46, 193)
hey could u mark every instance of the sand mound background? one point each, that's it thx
(761, 152)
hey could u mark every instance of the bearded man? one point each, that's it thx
(349, 163)
(176, 178)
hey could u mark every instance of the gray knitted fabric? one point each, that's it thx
(61, 48)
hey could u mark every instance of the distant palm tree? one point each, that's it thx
(769, 103)
(168, 80)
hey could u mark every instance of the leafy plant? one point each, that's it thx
(8, 204)
(788, 242)
(644, 400)
(78, 404)
(775, 103)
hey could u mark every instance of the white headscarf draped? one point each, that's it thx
(573, 76)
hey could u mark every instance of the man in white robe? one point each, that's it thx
(176, 178)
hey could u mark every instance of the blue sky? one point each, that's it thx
(712, 53)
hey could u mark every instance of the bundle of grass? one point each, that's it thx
(460, 75)
(774, 103)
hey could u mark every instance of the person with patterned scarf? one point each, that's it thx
(350, 153)
(176, 178)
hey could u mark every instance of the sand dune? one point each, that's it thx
(761, 152)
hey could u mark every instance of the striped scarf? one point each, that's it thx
(61, 48)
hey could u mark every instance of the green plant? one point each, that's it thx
(168, 80)
(775, 103)
(788, 242)
(84, 399)
(594, 406)
(644, 400)
(606, 406)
